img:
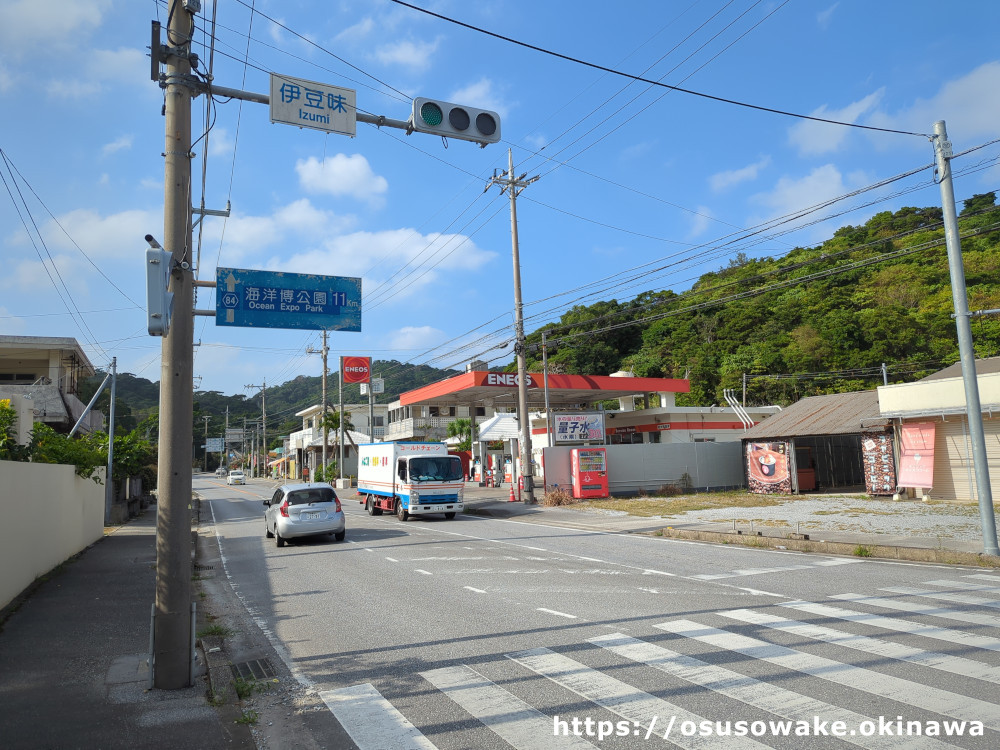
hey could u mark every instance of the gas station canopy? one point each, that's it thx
(500, 389)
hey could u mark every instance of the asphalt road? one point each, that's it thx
(487, 633)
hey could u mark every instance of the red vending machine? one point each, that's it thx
(590, 472)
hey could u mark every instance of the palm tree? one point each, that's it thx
(461, 428)
(331, 423)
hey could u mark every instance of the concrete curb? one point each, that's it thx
(888, 552)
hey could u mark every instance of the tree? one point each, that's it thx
(461, 428)
(331, 423)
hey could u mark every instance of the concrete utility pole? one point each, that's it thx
(514, 186)
(324, 351)
(943, 154)
(109, 489)
(172, 611)
(204, 463)
(263, 426)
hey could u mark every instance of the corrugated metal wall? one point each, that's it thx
(650, 466)
(954, 474)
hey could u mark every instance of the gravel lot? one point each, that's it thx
(813, 514)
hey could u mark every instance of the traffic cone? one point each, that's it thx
(512, 499)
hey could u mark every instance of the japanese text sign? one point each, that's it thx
(308, 104)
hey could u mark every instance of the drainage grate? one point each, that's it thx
(257, 669)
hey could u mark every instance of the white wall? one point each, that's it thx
(649, 466)
(49, 514)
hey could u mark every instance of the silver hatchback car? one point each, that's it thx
(298, 510)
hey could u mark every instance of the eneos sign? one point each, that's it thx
(356, 369)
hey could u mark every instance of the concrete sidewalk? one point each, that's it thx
(73, 652)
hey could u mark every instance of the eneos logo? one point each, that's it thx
(356, 369)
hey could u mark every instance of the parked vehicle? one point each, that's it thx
(299, 510)
(410, 478)
(236, 477)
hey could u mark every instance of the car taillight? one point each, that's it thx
(283, 509)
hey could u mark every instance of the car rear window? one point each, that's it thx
(315, 495)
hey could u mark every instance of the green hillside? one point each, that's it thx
(817, 320)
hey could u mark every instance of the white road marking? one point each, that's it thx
(900, 626)
(560, 614)
(478, 591)
(514, 720)
(749, 690)
(392, 559)
(914, 694)
(425, 572)
(632, 704)
(372, 721)
(980, 601)
(975, 618)
(833, 561)
(967, 585)
(749, 572)
(885, 649)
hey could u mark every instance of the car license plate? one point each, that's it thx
(311, 515)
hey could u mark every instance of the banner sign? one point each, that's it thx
(579, 428)
(880, 466)
(916, 455)
(356, 369)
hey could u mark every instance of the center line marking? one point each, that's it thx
(425, 572)
(392, 559)
(478, 591)
(560, 614)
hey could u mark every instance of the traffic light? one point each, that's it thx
(159, 302)
(455, 121)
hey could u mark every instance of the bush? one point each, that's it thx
(555, 498)
(669, 490)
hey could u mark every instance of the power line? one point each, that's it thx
(652, 82)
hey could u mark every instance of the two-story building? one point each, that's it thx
(41, 376)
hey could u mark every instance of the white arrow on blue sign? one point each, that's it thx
(272, 299)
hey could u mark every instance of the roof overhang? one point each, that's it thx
(501, 389)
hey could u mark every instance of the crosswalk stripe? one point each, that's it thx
(984, 576)
(894, 688)
(372, 721)
(749, 690)
(945, 596)
(954, 664)
(639, 707)
(967, 585)
(836, 561)
(973, 618)
(749, 572)
(514, 720)
(900, 626)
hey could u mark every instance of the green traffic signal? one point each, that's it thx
(431, 114)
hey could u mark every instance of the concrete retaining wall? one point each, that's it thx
(48, 515)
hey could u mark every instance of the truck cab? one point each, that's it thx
(410, 479)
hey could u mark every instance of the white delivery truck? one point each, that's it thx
(410, 479)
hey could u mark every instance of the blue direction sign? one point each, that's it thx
(270, 299)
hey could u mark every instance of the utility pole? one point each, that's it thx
(514, 186)
(340, 435)
(204, 463)
(109, 491)
(263, 423)
(324, 351)
(943, 154)
(172, 611)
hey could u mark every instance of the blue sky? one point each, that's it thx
(640, 187)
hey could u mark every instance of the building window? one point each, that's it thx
(379, 422)
(480, 411)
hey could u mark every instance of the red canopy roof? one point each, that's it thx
(500, 388)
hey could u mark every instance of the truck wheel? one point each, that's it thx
(370, 506)
(401, 513)
(449, 516)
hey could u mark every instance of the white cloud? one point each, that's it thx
(481, 95)
(6, 79)
(341, 175)
(358, 32)
(219, 142)
(415, 337)
(116, 236)
(824, 16)
(812, 138)
(36, 25)
(124, 142)
(414, 55)
(723, 180)
(699, 222)
(968, 104)
(823, 183)
(126, 65)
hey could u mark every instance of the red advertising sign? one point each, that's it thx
(356, 369)
(916, 455)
